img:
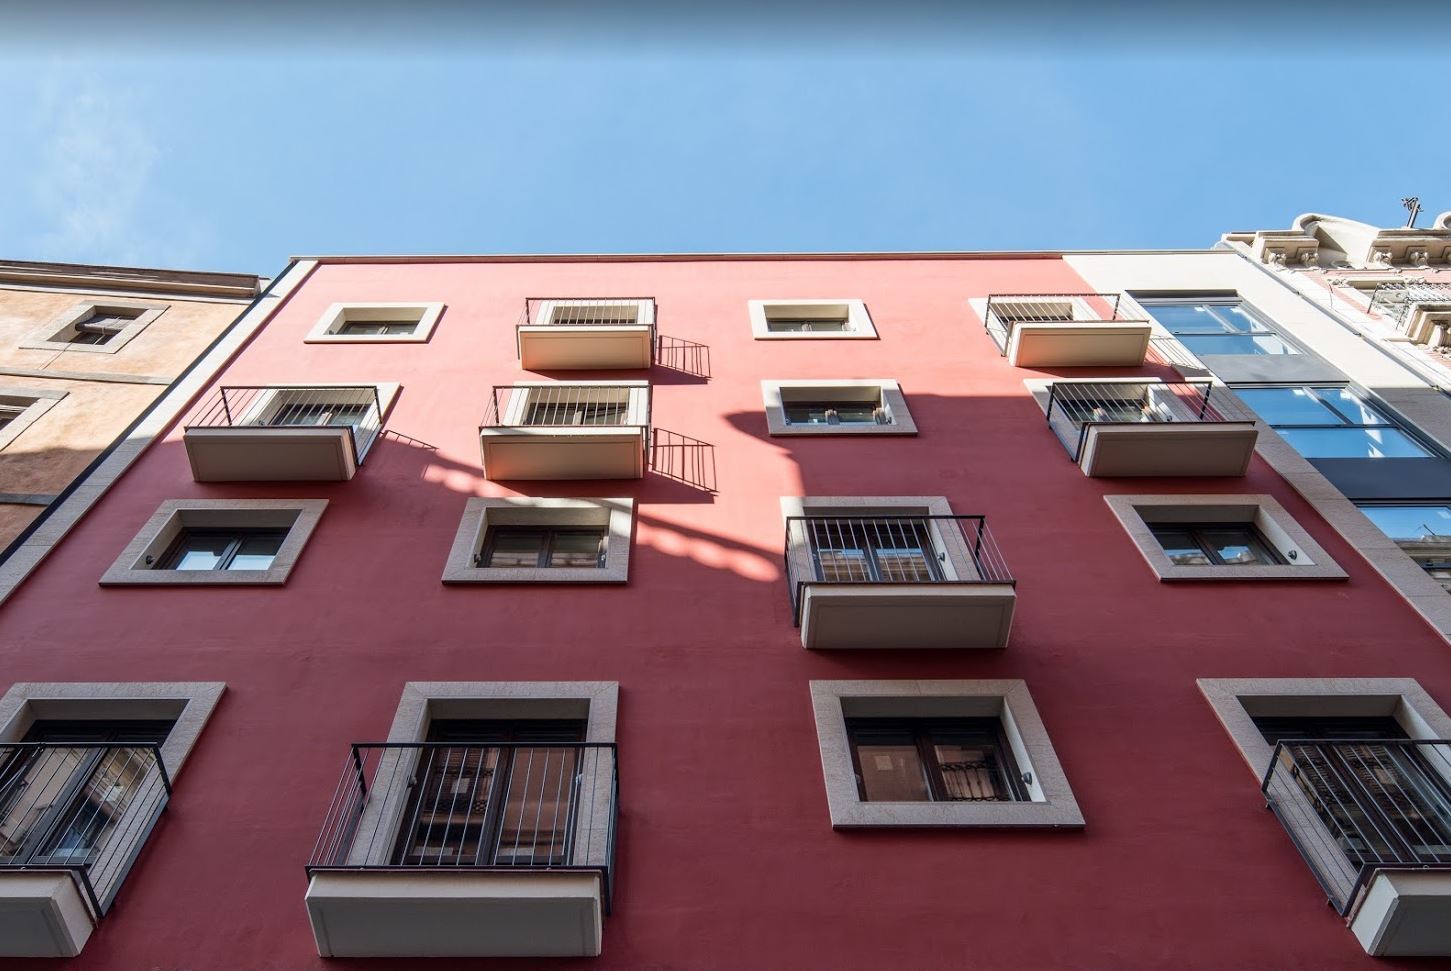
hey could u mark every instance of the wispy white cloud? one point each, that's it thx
(95, 188)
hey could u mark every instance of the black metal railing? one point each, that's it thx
(356, 408)
(1075, 407)
(86, 808)
(1006, 311)
(450, 806)
(1398, 301)
(1354, 807)
(889, 550)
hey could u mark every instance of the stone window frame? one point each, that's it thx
(421, 701)
(1051, 803)
(338, 314)
(892, 400)
(190, 703)
(45, 339)
(40, 400)
(1236, 701)
(300, 516)
(858, 320)
(1306, 559)
(616, 514)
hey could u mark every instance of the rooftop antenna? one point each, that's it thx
(1413, 205)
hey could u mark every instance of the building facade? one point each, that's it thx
(851, 611)
(84, 350)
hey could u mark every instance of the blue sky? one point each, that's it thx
(230, 145)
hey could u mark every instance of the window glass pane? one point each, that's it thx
(1353, 443)
(1241, 344)
(1412, 523)
(785, 325)
(576, 548)
(1188, 318)
(256, 552)
(1181, 547)
(842, 564)
(892, 773)
(1236, 545)
(1349, 404)
(378, 327)
(1287, 406)
(970, 773)
(514, 547)
(201, 551)
(577, 413)
(831, 412)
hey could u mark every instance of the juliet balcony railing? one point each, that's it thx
(897, 581)
(85, 808)
(1416, 308)
(593, 430)
(572, 333)
(1355, 808)
(1132, 428)
(280, 432)
(492, 848)
(1068, 329)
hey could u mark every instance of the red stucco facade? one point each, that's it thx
(726, 857)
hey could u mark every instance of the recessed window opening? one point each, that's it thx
(874, 551)
(9, 413)
(922, 760)
(577, 413)
(376, 328)
(543, 546)
(1215, 544)
(102, 325)
(223, 549)
(837, 411)
(320, 413)
(807, 325)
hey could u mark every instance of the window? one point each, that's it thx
(1331, 423)
(321, 413)
(1226, 326)
(920, 760)
(544, 547)
(530, 540)
(22, 407)
(1423, 531)
(217, 542)
(98, 327)
(877, 551)
(577, 413)
(363, 323)
(1222, 537)
(808, 319)
(872, 406)
(224, 549)
(102, 325)
(9, 413)
(938, 753)
(1214, 544)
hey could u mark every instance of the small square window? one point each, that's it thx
(22, 407)
(852, 407)
(384, 323)
(223, 549)
(531, 540)
(810, 319)
(927, 760)
(96, 327)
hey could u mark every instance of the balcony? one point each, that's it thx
(1373, 821)
(1068, 329)
(436, 849)
(1421, 311)
(72, 820)
(897, 582)
(1138, 428)
(563, 334)
(586, 430)
(282, 433)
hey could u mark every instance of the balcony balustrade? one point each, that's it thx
(1068, 329)
(568, 333)
(282, 433)
(587, 430)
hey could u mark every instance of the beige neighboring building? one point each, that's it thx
(84, 350)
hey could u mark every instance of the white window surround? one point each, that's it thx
(54, 336)
(616, 515)
(424, 315)
(885, 391)
(1305, 558)
(631, 313)
(1050, 803)
(858, 321)
(189, 703)
(299, 516)
(1238, 701)
(35, 401)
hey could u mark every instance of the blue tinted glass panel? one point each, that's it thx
(1353, 443)
(1348, 403)
(1239, 320)
(1193, 318)
(1241, 344)
(1288, 406)
(1411, 522)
